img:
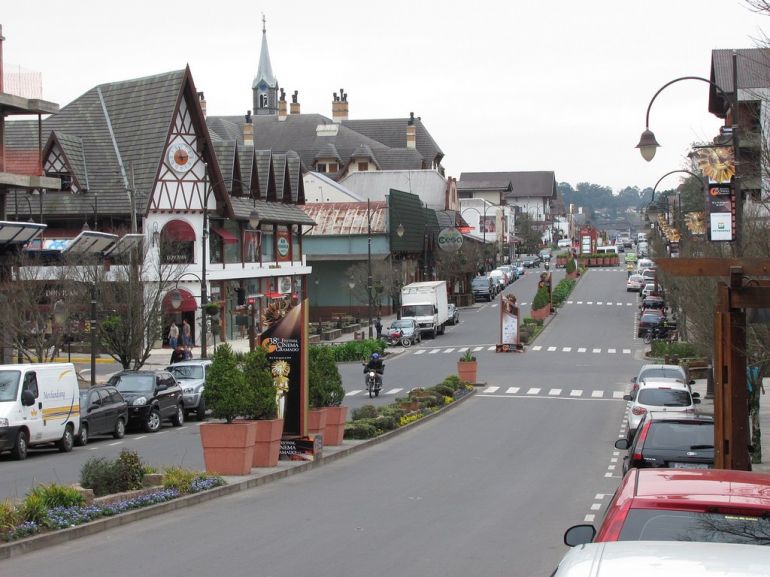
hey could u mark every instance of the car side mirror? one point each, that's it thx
(691, 382)
(27, 398)
(628, 398)
(696, 395)
(621, 444)
(696, 401)
(579, 535)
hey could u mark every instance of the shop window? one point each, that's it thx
(177, 243)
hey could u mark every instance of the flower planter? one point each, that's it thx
(228, 448)
(467, 371)
(335, 425)
(540, 314)
(267, 445)
(316, 421)
(572, 275)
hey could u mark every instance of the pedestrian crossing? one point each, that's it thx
(552, 393)
(534, 349)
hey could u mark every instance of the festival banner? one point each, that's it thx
(509, 325)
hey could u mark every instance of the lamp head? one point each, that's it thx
(648, 145)
(400, 230)
(254, 218)
(176, 299)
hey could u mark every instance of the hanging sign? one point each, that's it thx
(450, 240)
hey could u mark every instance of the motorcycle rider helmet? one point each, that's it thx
(375, 356)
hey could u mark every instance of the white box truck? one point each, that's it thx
(426, 303)
(39, 404)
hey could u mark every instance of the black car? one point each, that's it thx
(482, 288)
(103, 411)
(153, 397)
(648, 321)
(531, 261)
(672, 440)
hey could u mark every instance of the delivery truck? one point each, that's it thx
(426, 303)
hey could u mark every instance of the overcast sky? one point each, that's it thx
(511, 85)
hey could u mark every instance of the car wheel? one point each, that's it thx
(20, 447)
(200, 412)
(152, 423)
(178, 419)
(82, 439)
(67, 440)
(120, 429)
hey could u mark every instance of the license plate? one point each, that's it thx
(690, 465)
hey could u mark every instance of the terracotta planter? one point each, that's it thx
(542, 313)
(228, 448)
(316, 421)
(571, 275)
(467, 371)
(335, 425)
(268, 443)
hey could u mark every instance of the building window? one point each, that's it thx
(363, 166)
(320, 167)
(263, 102)
(333, 167)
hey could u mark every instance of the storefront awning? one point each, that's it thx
(187, 305)
(179, 230)
(227, 237)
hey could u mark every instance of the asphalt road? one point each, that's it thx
(486, 489)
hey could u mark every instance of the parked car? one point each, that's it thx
(519, 267)
(191, 376)
(482, 288)
(673, 440)
(712, 505)
(103, 411)
(628, 559)
(153, 397)
(648, 273)
(453, 314)
(530, 261)
(647, 290)
(510, 271)
(658, 395)
(647, 321)
(653, 302)
(499, 280)
(635, 283)
(661, 371)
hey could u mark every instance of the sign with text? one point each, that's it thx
(450, 240)
(720, 206)
(509, 325)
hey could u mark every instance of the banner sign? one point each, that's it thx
(282, 341)
(301, 448)
(509, 326)
(718, 164)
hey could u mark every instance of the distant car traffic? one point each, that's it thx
(530, 261)
(408, 328)
(103, 411)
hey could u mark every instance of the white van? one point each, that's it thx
(39, 404)
(564, 243)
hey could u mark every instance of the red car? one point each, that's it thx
(714, 505)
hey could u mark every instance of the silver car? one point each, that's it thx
(191, 376)
(454, 316)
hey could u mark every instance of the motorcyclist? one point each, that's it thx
(375, 364)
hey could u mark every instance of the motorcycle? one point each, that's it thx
(659, 333)
(397, 337)
(373, 382)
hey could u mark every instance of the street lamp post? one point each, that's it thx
(369, 264)
(204, 257)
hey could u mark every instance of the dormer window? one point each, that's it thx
(363, 166)
(66, 180)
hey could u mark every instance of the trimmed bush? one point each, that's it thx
(570, 267)
(678, 349)
(104, 477)
(541, 299)
(357, 350)
(365, 412)
(259, 382)
(324, 380)
(226, 393)
(562, 291)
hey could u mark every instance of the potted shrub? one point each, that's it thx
(467, 368)
(541, 304)
(326, 392)
(263, 411)
(227, 447)
(211, 308)
(571, 268)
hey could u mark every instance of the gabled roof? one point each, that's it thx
(270, 212)
(523, 184)
(753, 72)
(72, 146)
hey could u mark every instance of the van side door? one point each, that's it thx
(32, 413)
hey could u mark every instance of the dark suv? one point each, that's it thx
(673, 440)
(153, 397)
(482, 288)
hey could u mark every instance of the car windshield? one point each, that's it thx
(186, 372)
(661, 525)
(9, 385)
(664, 398)
(481, 282)
(660, 373)
(417, 310)
(684, 436)
(133, 383)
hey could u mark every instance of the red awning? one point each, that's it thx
(179, 230)
(188, 302)
(227, 238)
(277, 295)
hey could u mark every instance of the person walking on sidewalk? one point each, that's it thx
(173, 335)
(186, 338)
(378, 326)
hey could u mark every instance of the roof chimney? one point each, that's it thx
(340, 106)
(294, 106)
(248, 130)
(411, 132)
(202, 99)
(282, 106)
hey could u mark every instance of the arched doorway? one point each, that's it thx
(185, 311)
(177, 242)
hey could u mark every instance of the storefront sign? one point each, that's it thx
(509, 325)
(450, 240)
(282, 245)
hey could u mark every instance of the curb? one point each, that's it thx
(37, 542)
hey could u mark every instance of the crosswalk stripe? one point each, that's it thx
(533, 391)
(576, 393)
(537, 348)
(477, 349)
(462, 349)
(597, 394)
(611, 351)
(617, 394)
(554, 392)
(619, 304)
(512, 390)
(581, 349)
(596, 351)
(551, 349)
(394, 391)
(580, 302)
(492, 348)
(629, 304)
(434, 351)
(449, 350)
(490, 389)
(598, 302)
(589, 302)
(626, 351)
(566, 349)
(569, 302)
(352, 393)
(420, 352)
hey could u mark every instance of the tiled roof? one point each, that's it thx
(343, 218)
(753, 72)
(270, 212)
(524, 184)
(392, 133)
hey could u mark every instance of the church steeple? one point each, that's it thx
(265, 85)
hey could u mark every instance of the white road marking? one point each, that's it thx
(566, 349)
(589, 518)
(626, 351)
(554, 392)
(581, 349)
(512, 390)
(614, 460)
(462, 349)
(611, 468)
(612, 351)
(551, 349)
(596, 351)
(116, 443)
(140, 437)
(597, 394)
(477, 349)
(617, 394)
(537, 348)
(569, 302)
(599, 302)
(393, 391)
(589, 302)
(352, 393)
(533, 391)
(576, 393)
(608, 474)
(434, 351)
(600, 496)
(449, 350)
(420, 352)
(492, 348)
(490, 389)
(580, 302)
(596, 506)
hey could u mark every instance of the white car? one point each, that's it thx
(660, 371)
(498, 277)
(635, 283)
(667, 395)
(191, 376)
(648, 289)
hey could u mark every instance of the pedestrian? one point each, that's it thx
(173, 335)
(186, 338)
(188, 354)
(378, 326)
(177, 355)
